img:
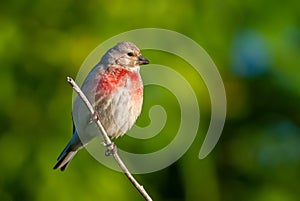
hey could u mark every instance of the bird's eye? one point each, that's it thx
(130, 54)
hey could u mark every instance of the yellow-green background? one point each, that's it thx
(256, 46)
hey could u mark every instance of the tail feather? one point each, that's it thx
(68, 153)
(64, 159)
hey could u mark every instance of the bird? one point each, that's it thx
(115, 89)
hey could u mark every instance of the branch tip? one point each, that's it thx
(69, 79)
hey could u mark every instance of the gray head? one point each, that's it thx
(125, 54)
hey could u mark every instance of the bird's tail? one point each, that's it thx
(64, 158)
(68, 153)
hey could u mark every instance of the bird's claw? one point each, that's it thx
(111, 149)
(94, 117)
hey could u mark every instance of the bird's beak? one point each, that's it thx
(142, 60)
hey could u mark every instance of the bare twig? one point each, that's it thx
(111, 148)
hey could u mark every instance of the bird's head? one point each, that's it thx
(124, 54)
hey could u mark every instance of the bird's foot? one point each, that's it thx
(111, 149)
(94, 117)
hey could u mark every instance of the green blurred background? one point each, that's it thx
(256, 46)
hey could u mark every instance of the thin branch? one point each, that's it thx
(111, 147)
